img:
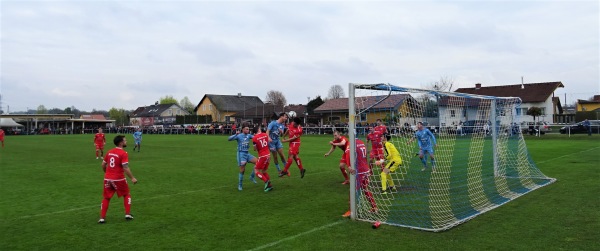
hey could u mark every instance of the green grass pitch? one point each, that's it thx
(187, 199)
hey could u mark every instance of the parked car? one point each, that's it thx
(474, 126)
(529, 127)
(579, 127)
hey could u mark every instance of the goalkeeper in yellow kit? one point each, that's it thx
(392, 160)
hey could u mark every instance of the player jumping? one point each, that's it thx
(294, 132)
(274, 129)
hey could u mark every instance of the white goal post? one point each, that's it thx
(480, 161)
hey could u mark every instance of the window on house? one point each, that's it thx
(210, 107)
(452, 113)
(363, 117)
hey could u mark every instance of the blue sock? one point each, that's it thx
(278, 169)
(424, 160)
(241, 177)
(432, 162)
(252, 175)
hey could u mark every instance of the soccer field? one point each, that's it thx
(187, 198)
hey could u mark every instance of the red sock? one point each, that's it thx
(287, 165)
(96, 154)
(370, 198)
(127, 203)
(104, 207)
(267, 175)
(299, 163)
(344, 172)
(261, 176)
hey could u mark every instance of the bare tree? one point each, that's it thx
(335, 91)
(445, 83)
(277, 98)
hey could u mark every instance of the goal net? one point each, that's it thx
(480, 160)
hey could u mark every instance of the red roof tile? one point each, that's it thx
(341, 104)
(532, 92)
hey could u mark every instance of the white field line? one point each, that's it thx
(98, 206)
(142, 199)
(296, 236)
(562, 156)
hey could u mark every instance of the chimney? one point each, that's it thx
(478, 86)
(239, 94)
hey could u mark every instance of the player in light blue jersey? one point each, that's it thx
(426, 141)
(244, 139)
(274, 130)
(137, 138)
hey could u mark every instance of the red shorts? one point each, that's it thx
(294, 148)
(112, 186)
(99, 146)
(362, 180)
(263, 162)
(343, 159)
(376, 154)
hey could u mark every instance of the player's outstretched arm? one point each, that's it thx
(330, 150)
(232, 137)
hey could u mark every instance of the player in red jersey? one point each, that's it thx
(376, 146)
(294, 132)
(362, 171)
(115, 165)
(99, 141)
(341, 142)
(2, 137)
(380, 127)
(261, 145)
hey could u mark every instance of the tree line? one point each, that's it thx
(121, 115)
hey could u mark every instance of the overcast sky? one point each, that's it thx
(125, 54)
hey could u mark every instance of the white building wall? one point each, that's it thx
(471, 114)
(547, 107)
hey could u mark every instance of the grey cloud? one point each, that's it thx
(216, 53)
